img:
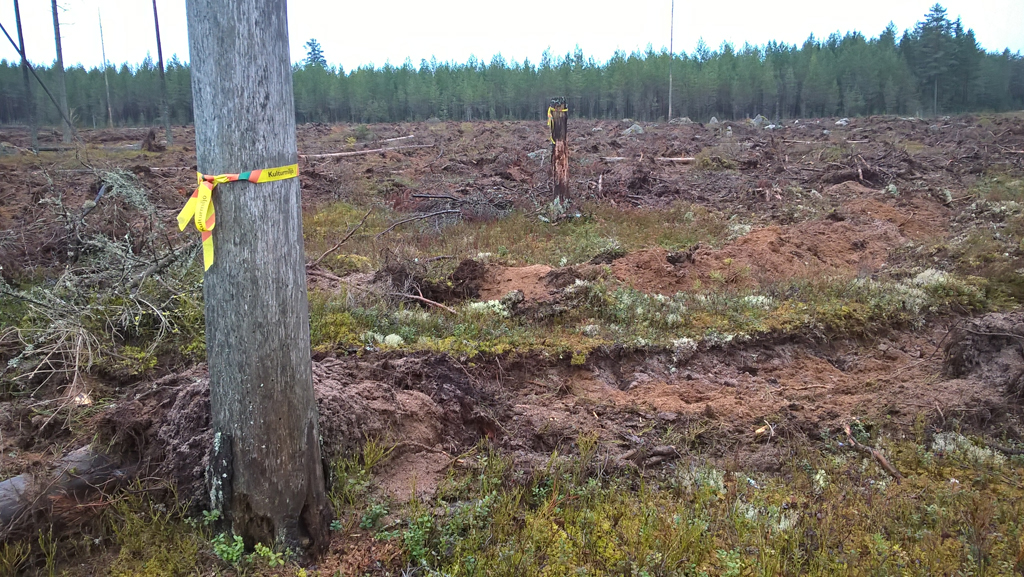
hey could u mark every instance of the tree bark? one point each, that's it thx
(29, 102)
(164, 108)
(266, 473)
(559, 126)
(62, 92)
(106, 80)
(671, 55)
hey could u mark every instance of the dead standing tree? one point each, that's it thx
(266, 474)
(62, 93)
(558, 124)
(164, 107)
(29, 102)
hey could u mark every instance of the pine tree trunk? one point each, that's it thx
(164, 108)
(106, 80)
(62, 92)
(559, 127)
(30, 105)
(266, 472)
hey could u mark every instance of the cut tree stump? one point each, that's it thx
(558, 123)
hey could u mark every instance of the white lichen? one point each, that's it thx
(957, 444)
(758, 301)
(489, 307)
(394, 340)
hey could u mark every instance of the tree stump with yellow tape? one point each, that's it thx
(558, 124)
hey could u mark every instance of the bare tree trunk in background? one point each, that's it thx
(103, 48)
(163, 80)
(558, 123)
(29, 102)
(671, 56)
(266, 472)
(62, 91)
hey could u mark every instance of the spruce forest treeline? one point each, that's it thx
(938, 67)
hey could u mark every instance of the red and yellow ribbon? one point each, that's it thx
(199, 207)
(551, 123)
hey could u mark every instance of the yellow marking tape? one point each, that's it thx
(199, 207)
(551, 123)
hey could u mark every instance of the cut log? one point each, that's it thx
(358, 152)
(31, 498)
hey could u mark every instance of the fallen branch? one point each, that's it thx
(398, 138)
(805, 388)
(158, 265)
(424, 301)
(324, 274)
(421, 446)
(435, 196)
(1006, 450)
(613, 158)
(341, 242)
(683, 159)
(885, 464)
(54, 148)
(359, 152)
(438, 213)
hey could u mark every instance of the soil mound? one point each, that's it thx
(990, 349)
(421, 401)
(854, 241)
(500, 280)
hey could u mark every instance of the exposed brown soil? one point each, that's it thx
(720, 399)
(854, 240)
(749, 404)
(486, 167)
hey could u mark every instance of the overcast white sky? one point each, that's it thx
(353, 34)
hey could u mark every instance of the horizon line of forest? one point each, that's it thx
(938, 67)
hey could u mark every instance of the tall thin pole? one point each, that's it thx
(163, 80)
(103, 49)
(62, 91)
(671, 56)
(29, 103)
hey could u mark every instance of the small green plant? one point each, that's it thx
(352, 475)
(372, 515)
(267, 556)
(211, 517)
(48, 545)
(13, 555)
(732, 563)
(363, 132)
(417, 538)
(230, 551)
(154, 538)
(587, 444)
